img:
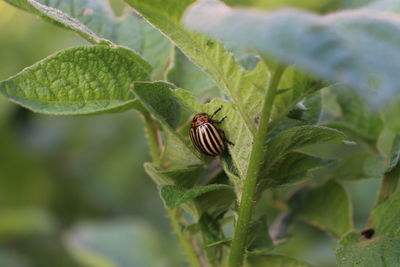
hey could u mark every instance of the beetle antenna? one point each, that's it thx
(215, 112)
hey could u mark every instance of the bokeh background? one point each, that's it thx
(73, 191)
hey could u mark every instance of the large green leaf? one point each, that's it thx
(96, 15)
(385, 217)
(312, 204)
(241, 85)
(299, 137)
(160, 101)
(81, 80)
(58, 18)
(293, 168)
(356, 116)
(272, 260)
(358, 47)
(355, 250)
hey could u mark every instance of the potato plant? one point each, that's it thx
(293, 85)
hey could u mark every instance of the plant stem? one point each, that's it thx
(389, 184)
(185, 244)
(153, 137)
(250, 183)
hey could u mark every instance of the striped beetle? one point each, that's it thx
(207, 138)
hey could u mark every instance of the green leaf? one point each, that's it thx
(216, 202)
(385, 217)
(95, 14)
(355, 250)
(111, 243)
(299, 137)
(360, 165)
(80, 80)
(305, 112)
(234, 127)
(211, 230)
(292, 168)
(160, 101)
(241, 85)
(395, 152)
(315, 5)
(213, 237)
(312, 204)
(183, 177)
(58, 18)
(184, 74)
(272, 260)
(128, 30)
(356, 47)
(133, 31)
(299, 87)
(356, 116)
(390, 116)
(259, 240)
(174, 196)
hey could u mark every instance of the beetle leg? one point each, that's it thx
(224, 137)
(215, 112)
(220, 121)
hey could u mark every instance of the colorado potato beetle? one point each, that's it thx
(206, 137)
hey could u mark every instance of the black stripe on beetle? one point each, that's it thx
(206, 137)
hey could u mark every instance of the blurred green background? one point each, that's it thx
(73, 191)
(72, 186)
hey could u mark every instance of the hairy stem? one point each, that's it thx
(250, 183)
(185, 244)
(389, 184)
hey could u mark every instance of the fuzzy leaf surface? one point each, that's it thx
(357, 47)
(95, 20)
(355, 250)
(80, 80)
